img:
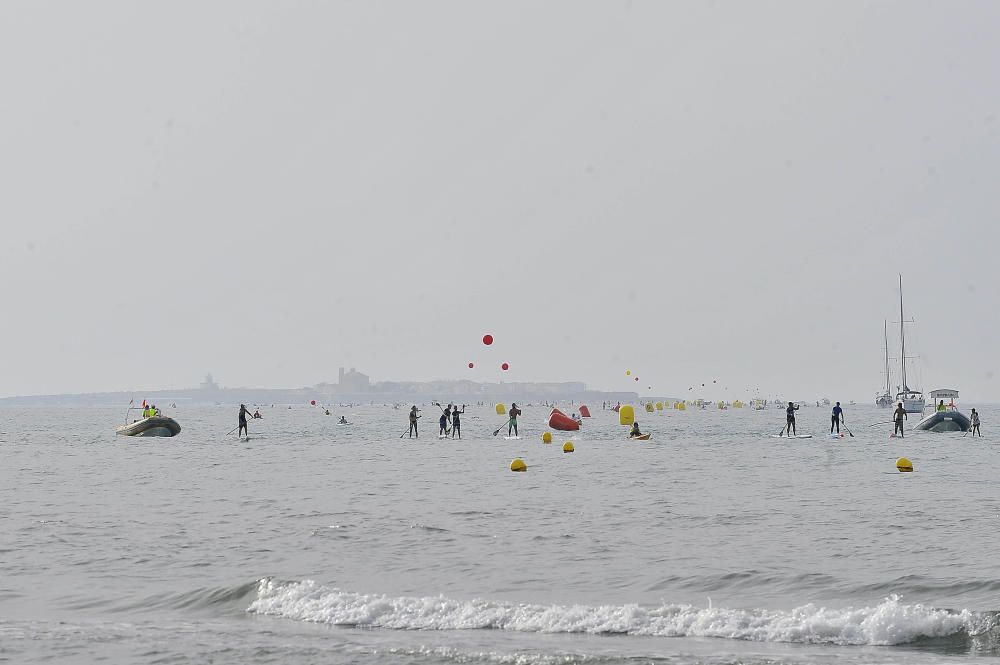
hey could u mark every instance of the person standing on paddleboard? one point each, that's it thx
(513, 413)
(413, 422)
(838, 414)
(456, 421)
(443, 422)
(243, 421)
(790, 419)
(897, 416)
(975, 424)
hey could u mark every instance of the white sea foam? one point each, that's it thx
(889, 622)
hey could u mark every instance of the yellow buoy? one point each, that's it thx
(904, 464)
(628, 372)
(501, 410)
(659, 406)
(649, 407)
(568, 447)
(626, 415)
(681, 406)
(518, 465)
(547, 437)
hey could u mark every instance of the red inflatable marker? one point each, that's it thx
(487, 339)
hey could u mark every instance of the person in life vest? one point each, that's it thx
(941, 406)
(635, 431)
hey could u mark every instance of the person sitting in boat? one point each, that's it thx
(941, 406)
(635, 431)
(343, 420)
(256, 414)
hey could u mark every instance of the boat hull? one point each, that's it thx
(156, 426)
(945, 421)
(641, 437)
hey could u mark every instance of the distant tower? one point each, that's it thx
(208, 383)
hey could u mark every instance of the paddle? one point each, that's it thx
(502, 426)
(232, 430)
(782, 432)
(848, 431)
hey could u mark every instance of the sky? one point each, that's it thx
(692, 191)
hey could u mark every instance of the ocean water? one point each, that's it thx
(321, 543)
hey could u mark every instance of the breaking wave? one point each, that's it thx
(888, 623)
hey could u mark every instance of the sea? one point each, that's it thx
(320, 543)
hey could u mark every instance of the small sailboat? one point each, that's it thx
(912, 399)
(884, 398)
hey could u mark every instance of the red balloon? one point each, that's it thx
(470, 365)
(487, 339)
(505, 367)
(313, 402)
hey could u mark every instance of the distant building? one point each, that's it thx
(352, 382)
(208, 383)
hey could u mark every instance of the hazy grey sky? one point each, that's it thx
(689, 190)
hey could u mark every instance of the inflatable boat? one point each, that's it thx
(155, 426)
(945, 421)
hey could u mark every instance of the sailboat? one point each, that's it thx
(884, 398)
(913, 400)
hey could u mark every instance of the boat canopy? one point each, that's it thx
(944, 393)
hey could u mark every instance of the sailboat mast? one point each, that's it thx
(885, 338)
(902, 336)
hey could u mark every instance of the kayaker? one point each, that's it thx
(343, 421)
(243, 421)
(790, 419)
(975, 424)
(897, 417)
(513, 413)
(413, 422)
(838, 414)
(256, 414)
(635, 431)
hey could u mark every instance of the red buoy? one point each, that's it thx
(505, 367)
(487, 339)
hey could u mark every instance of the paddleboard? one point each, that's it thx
(244, 439)
(797, 436)
(442, 436)
(512, 438)
(836, 436)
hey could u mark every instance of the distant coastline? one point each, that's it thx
(352, 388)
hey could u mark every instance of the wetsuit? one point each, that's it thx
(456, 423)
(835, 419)
(635, 430)
(897, 417)
(243, 422)
(443, 422)
(975, 424)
